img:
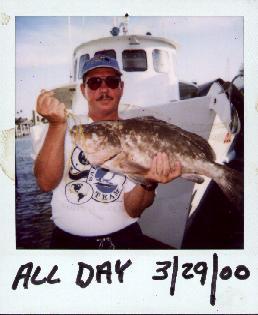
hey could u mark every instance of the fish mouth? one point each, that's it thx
(111, 157)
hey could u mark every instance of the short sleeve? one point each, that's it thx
(38, 135)
(129, 185)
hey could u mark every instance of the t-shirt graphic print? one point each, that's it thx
(88, 182)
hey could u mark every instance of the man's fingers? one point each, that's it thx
(176, 170)
(170, 170)
(162, 170)
(50, 107)
(62, 110)
(46, 101)
(159, 164)
(166, 169)
(154, 164)
(45, 93)
(42, 97)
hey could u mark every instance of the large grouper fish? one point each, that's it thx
(128, 147)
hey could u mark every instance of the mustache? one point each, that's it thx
(104, 97)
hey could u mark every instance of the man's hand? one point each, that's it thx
(162, 171)
(141, 197)
(50, 108)
(49, 164)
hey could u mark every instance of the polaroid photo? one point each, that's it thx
(127, 158)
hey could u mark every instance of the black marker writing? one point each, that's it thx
(120, 269)
(174, 275)
(83, 280)
(242, 269)
(79, 281)
(167, 265)
(214, 280)
(25, 273)
(189, 270)
(104, 269)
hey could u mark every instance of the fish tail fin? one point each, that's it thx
(231, 182)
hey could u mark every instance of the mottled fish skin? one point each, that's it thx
(98, 142)
(128, 147)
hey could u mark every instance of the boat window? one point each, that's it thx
(134, 60)
(82, 61)
(160, 61)
(74, 69)
(108, 52)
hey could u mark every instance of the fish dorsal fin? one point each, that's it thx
(200, 143)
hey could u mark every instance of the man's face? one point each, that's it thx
(103, 102)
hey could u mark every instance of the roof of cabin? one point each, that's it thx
(127, 37)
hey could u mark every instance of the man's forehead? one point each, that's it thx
(101, 71)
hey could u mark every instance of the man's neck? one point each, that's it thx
(94, 117)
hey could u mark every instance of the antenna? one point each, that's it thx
(70, 45)
(124, 25)
(114, 21)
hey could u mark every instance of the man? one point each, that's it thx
(92, 207)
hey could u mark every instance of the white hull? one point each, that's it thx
(165, 220)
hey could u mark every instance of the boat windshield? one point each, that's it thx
(160, 61)
(134, 60)
(74, 69)
(108, 52)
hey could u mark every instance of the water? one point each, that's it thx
(33, 211)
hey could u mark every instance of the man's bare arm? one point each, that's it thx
(49, 164)
(137, 200)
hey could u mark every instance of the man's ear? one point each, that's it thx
(83, 90)
(122, 88)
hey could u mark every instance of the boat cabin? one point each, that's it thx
(146, 62)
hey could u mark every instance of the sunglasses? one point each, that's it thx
(111, 81)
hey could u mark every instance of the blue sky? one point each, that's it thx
(209, 47)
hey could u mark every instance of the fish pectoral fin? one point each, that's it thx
(120, 163)
(133, 168)
(136, 179)
(124, 161)
(193, 178)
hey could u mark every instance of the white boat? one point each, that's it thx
(152, 88)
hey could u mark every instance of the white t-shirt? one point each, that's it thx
(89, 200)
